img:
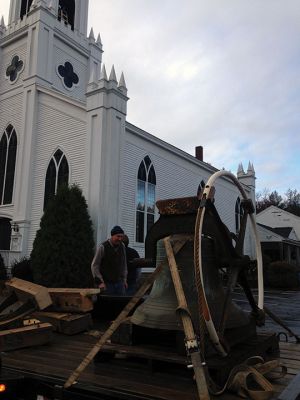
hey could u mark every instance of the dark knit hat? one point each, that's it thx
(116, 230)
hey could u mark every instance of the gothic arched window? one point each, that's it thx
(5, 233)
(8, 153)
(25, 7)
(238, 214)
(145, 199)
(66, 12)
(57, 175)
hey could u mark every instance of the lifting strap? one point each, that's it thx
(250, 380)
(192, 345)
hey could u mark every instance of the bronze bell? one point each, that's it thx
(159, 310)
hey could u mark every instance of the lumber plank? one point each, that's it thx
(82, 291)
(33, 335)
(27, 290)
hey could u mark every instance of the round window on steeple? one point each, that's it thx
(66, 73)
(14, 69)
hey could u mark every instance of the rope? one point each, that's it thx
(199, 286)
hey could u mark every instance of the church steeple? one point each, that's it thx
(72, 13)
(247, 178)
(60, 56)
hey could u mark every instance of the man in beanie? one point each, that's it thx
(109, 266)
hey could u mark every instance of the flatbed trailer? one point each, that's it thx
(43, 370)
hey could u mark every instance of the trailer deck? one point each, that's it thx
(132, 376)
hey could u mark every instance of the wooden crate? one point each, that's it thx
(27, 336)
(72, 300)
(66, 323)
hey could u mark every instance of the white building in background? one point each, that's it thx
(63, 119)
(275, 217)
(279, 232)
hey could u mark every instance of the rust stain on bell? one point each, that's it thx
(182, 205)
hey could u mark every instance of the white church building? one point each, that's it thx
(63, 120)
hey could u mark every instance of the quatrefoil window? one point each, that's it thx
(14, 69)
(67, 74)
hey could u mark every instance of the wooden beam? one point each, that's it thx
(27, 290)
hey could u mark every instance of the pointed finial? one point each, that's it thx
(240, 170)
(112, 76)
(103, 74)
(51, 5)
(2, 24)
(122, 83)
(34, 4)
(98, 41)
(91, 35)
(250, 169)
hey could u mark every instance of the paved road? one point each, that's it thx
(283, 303)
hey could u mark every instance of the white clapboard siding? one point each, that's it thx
(10, 112)
(177, 175)
(55, 127)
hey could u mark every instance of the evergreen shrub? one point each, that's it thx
(63, 247)
(283, 275)
(3, 274)
(22, 269)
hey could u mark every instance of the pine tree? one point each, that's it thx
(3, 275)
(63, 247)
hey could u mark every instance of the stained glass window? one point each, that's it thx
(8, 154)
(238, 214)
(145, 199)
(57, 175)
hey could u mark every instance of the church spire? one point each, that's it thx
(240, 170)
(122, 84)
(103, 74)
(112, 76)
(91, 35)
(250, 170)
(2, 25)
(98, 41)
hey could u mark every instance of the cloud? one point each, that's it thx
(224, 75)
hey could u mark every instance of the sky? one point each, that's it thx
(220, 74)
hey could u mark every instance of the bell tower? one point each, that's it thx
(59, 55)
(46, 61)
(71, 12)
